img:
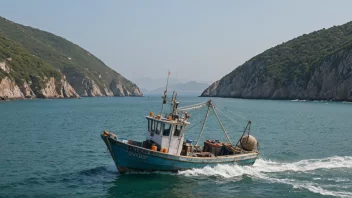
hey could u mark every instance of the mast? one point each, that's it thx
(165, 94)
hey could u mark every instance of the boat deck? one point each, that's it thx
(201, 151)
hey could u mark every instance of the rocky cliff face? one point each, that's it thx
(27, 91)
(51, 87)
(88, 87)
(121, 90)
(4, 67)
(9, 90)
(330, 80)
(66, 90)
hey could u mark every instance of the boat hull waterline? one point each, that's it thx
(132, 158)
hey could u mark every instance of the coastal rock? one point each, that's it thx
(91, 88)
(120, 89)
(9, 90)
(136, 91)
(4, 67)
(108, 92)
(53, 89)
(88, 87)
(27, 91)
(117, 89)
(49, 90)
(67, 90)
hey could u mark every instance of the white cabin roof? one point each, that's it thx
(180, 121)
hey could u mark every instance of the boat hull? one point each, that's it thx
(133, 158)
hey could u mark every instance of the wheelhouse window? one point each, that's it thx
(158, 128)
(178, 130)
(167, 129)
(150, 123)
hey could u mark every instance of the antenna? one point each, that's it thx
(165, 94)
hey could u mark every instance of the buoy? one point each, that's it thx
(169, 118)
(105, 133)
(154, 148)
(164, 150)
(158, 117)
(151, 114)
(248, 142)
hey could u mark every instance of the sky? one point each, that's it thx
(199, 40)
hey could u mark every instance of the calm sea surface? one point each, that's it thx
(52, 148)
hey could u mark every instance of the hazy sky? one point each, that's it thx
(195, 39)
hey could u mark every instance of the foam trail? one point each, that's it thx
(304, 165)
(267, 166)
(262, 168)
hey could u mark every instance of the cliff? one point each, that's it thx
(87, 74)
(9, 90)
(23, 75)
(317, 66)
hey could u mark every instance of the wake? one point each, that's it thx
(269, 170)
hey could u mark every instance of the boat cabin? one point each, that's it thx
(167, 134)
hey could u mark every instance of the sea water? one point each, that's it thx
(52, 148)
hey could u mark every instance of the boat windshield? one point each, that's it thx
(167, 129)
(178, 130)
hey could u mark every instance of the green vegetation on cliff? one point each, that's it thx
(24, 66)
(81, 68)
(314, 66)
(297, 58)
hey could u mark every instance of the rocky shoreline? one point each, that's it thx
(9, 90)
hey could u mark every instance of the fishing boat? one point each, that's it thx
(165, 148)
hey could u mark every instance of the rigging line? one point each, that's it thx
(193, 105)
(205, 120)
(195, 124)
(244, 118)
(191, 108)
(210, 113)
(230, 118)
(237, 114)
(227, 136)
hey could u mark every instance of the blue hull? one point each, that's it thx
(129, 157)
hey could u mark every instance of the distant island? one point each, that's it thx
(315, 66)
(38, 64)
